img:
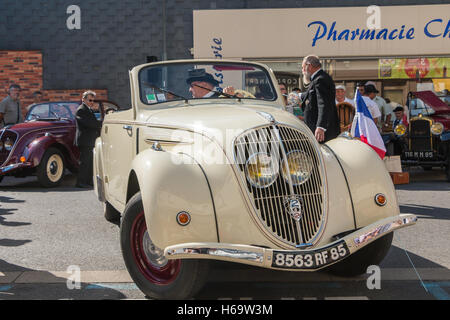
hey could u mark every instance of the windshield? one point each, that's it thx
(418, 106)
(52, 111)
(183, 81)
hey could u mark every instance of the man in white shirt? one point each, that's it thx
(369, 94)
(340, 95)
(385, 108)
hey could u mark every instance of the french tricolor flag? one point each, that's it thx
(365, 128)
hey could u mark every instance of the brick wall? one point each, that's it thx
(25, 68)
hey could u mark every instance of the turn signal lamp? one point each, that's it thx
(183, 218)
(23, 159)
(380, 199)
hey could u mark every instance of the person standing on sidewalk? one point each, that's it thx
(10, 110)
(88, 129)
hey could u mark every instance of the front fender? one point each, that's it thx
(366, 175)
(37, 148)
(168, 188)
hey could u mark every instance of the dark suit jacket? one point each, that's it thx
(319, 105)
(88, 127)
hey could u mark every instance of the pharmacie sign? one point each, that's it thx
(328, 32)
(435, 28)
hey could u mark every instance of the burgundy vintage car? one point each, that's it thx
(43, 145)
(426, 140)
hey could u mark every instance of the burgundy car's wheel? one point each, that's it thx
(50, 171)
(155, 275)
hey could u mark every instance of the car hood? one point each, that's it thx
(25, 127)
(215, 117)
(431, 99)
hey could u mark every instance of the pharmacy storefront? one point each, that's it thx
(400, 48)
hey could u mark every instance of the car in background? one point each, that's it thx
(43, 145)
(426, 140)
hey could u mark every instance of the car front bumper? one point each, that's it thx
(12, 167)
(292, 260)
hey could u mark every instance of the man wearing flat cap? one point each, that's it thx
(384, 107)
(400, 117)
(369, 94)
(202, 84)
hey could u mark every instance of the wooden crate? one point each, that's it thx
(400, 177)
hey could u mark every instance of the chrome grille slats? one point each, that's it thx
(270, 202)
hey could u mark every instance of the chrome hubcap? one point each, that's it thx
(154, 254)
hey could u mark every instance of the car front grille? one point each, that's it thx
(420, 135)
(270, 203)
(4, 135)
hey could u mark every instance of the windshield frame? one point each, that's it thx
(50, 105)
(257, 66)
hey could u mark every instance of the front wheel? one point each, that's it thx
(50, 171)
(357, 263)
(156, 276)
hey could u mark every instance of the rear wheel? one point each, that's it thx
(156, 276)
(358, 262)
(50, 171)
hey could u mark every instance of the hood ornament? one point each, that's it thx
(267, 116)
(293, 205)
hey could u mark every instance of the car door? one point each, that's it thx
(119, 147)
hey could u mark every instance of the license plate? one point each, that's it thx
(419, 154)
(310, 260)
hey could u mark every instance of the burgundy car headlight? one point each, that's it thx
(8, 144)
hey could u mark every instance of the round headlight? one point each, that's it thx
(400, 130)
(300, 167)
(8, 144)
(261, 170)
(437, 128)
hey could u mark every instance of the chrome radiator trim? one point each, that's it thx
(269, 203)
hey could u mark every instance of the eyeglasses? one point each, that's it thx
(90, 100)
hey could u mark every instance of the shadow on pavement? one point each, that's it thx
(19, 283)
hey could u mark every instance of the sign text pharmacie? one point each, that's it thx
(331, 33)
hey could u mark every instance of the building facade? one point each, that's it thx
(93, 44)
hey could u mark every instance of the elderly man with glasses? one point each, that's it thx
(88, 129)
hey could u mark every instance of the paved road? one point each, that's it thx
(45, 233)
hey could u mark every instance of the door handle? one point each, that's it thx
(129, 129)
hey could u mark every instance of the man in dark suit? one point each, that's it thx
(88, 129)
(319, 107)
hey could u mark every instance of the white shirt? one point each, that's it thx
(348, 101)
(373, 107)
(312, 76)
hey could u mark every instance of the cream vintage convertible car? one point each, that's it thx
(194, 172)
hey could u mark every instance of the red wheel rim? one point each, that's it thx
(154, 271)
